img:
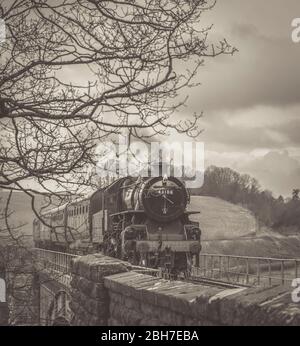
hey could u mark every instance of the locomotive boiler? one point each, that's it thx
(142, 220)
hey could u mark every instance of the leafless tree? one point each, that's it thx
(74, 72)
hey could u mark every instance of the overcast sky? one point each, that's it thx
(251, 101)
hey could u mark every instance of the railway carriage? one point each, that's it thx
(78, 234)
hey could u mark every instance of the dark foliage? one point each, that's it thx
(242, 189)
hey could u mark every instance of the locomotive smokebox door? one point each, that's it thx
(163, 199)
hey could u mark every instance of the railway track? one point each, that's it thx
(213, 282)
(205, 281)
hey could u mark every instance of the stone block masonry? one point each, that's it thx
(107, 291)
(89, 297)
(3, 314)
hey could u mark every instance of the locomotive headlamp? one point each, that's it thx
(165, 180)
(129, 233)
(192, 232)
(129, 245)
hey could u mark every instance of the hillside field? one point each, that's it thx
(222, 220)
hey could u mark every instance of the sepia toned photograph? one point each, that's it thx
(149, 166)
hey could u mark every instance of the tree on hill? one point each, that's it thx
(290, 212)
(280, 199)
(242, 189)
(295, 194)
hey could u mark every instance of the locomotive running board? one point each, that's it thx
(125, 212)
(173, 245)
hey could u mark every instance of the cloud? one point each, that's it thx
(250, 101)
(276, 171)
(264, 71)
(261, 127)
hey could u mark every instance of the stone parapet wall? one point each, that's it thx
(89, 297)
(137, 299)
(107, 291)
(22, 287)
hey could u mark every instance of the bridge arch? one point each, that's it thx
(61, 321)
(59, 312)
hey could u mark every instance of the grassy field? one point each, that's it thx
(262, 246)
(221, 220)
(229, 229)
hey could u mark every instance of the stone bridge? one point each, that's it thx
(97, 290)
(18, 287)
(3, 300)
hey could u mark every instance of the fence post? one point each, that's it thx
(247, 271)
(282, 272)
(205, 264)
(197, 260)
(270, 272)
(228, 268)
(258, 271)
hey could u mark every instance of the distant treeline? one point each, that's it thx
(278, 213)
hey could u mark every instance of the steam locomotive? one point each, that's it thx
(141, 220)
